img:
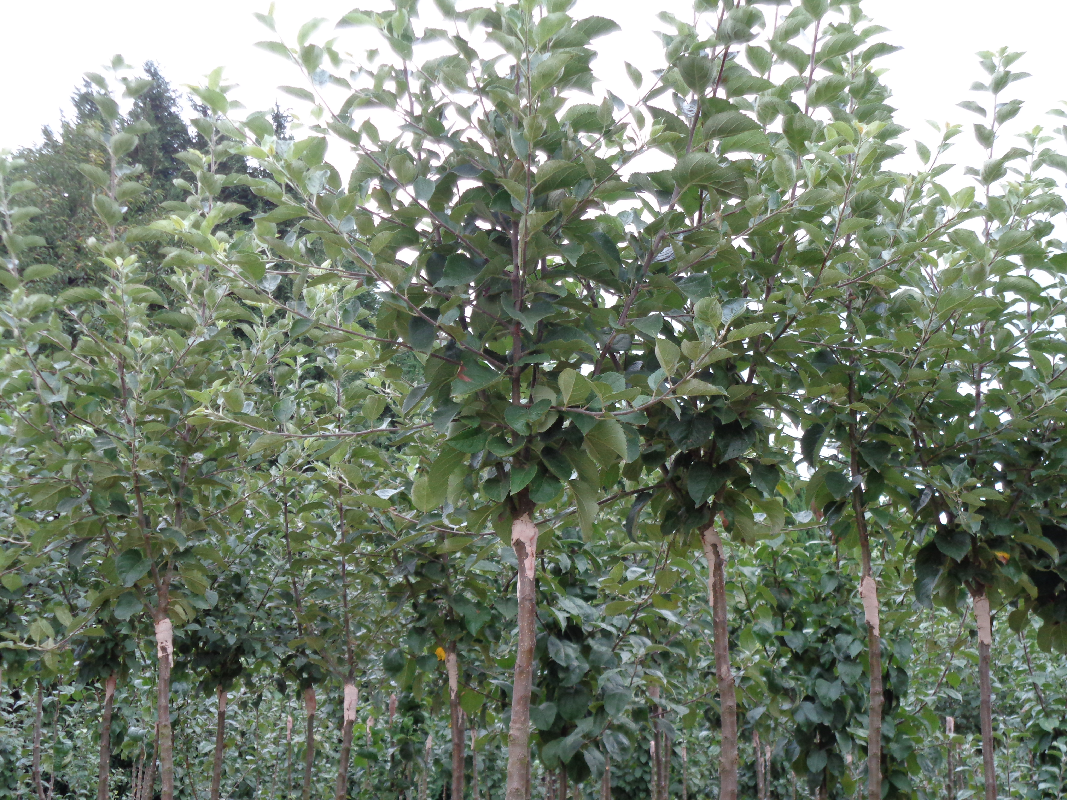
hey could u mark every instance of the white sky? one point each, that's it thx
(47, 45)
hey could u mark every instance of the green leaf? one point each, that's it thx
(127, 605)
(667, 353)
(704, 169)
(608, 434)
(838, 484)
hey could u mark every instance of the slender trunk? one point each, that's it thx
(562, 783)
(164, 657)
(524, 540)
(950, 783)
(288, 755)
(656, 746)
(220, 745)
(38, 719)
(724, 675)
(424, 779)
(985, 641)
(105, 739)
(309, 755)
(685, 773)
(605, 780)
(668, 755)
(148, 773)
(871, 613)
(456, 718)
(349, 722)
(475, 793)
(761, 773)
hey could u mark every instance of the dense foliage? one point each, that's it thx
(488, 435)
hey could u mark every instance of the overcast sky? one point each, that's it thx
(48, 44)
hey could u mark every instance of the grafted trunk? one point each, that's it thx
(456, 720)
(220, 745)
(164, 659)
(348, 723)
(985, 641)
(723, 674)
(309, 755)
(105, 739)
(524, 540)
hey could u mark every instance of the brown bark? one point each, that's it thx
(459, 756)
(148, 773)
(220, 745)
(562, 783)
(424, 778)
(288, 755)
(605, 780)
(164, 658)
(524, 540)
(950, 782)
(656, 745)
(723, 674)
(105, 739)
(985, 641)
(475, 792)
(341, 790)
(685, 773)
(761, 769)
(309, 755)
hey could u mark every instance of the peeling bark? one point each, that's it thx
(351, 700)
(164, 658)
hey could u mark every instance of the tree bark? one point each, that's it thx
(309, 755)
(105, 739)
(220, 745)
(605, 780)
(38, 720)
(685, 772)
(723, 674)
(562, 782)
(985, 641)
(475, 792)
(656, 745)
(524, 540)
(349, 722)
(950, 783)
(871, 612)
(288, 755)
(164, 658)
(148, 773)
(459, 756)
(761, 769)
(424, 779)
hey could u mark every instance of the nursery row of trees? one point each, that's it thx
(489, 435)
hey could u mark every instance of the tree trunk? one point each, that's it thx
(950, 783)
(985, 641)
(655, 749)
(164, 658)
(562, 783)
(148, 773)
(38, 719)
(220, 745)
(685, 773)
(871, 613)
(349, 722)
(456, 717)
(761, 770)
(105, 739)
(605, 781)
(424, 779)
(475, 792)
(524, 540)
(309, 755)
(288, 755)
(724, 675)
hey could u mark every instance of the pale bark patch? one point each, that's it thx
(523, 530)
(981, 616)
(869, 596)
(165, 640)
(351, 700)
